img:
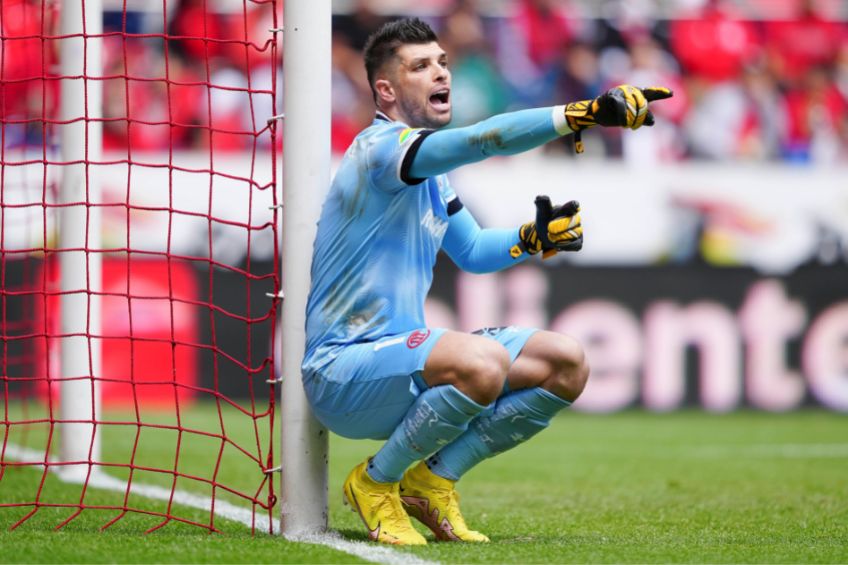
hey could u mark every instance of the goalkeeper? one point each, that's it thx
(443, 400)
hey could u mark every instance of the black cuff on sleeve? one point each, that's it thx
(408, 158)
(454, 206)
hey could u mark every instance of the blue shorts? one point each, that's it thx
(368, 388)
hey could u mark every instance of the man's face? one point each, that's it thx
(421, 82)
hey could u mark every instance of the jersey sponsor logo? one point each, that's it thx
(416, 338)
(436, 226)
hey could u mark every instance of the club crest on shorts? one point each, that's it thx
(416, 338)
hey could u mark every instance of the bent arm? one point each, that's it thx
(505, 134)
(479, 250)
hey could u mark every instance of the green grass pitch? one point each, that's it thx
(633, 487)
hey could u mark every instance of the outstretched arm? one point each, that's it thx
(506, 134)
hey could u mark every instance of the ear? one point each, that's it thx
(385, 91)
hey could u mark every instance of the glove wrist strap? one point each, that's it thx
(529, 239)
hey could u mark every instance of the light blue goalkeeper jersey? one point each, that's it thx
(377, 242)
(389, 210)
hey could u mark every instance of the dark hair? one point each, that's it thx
(383, 44)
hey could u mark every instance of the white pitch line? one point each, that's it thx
(223, 509)
(368, 551)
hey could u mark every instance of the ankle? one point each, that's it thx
(377, 476)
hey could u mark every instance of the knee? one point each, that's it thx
(570, 369)
(482, 371)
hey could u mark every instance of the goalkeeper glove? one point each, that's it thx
(555, 229)
(623, 106)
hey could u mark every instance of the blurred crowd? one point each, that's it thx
(746, 86)
(755, 80)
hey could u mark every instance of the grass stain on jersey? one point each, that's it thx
(490, 138)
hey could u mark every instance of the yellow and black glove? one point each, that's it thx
(555, 229)
(623, 106)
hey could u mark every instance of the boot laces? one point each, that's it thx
(391, 500)
(450, 499)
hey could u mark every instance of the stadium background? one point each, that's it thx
(714, 272)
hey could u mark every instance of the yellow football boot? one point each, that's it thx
(378, 504)
(433, 501)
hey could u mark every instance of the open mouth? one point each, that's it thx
(440, 99)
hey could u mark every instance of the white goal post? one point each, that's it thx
(306, 176)
(80, 134)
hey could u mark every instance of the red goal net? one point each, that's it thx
(182, 285)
